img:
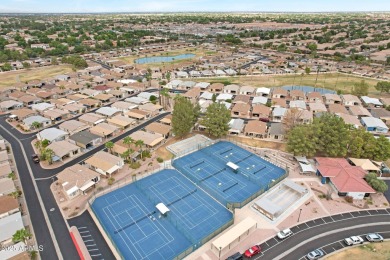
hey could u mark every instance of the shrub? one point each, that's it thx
(135, 165)
(110, 181)
(348, 199)
(159, 159)
(99, 188)
(322, 196)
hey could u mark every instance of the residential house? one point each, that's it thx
(231, 89)
(224, 97)
(346, 179)
(202, 85)
(9, 105)
(29, 121)
(63, 150)
(276, 131)
(104, 98)
(73, 126)
(108, 112)
(29, 100)
(241, 110)
(350, 120)
(52, 135)
(314, 97)
(359, 111)
(371, 102)
(158, 128)
(317, 107)
(279, 93)
(256, 129)
(8, 206)
(332, 99)
(297, 95)
(261, 112)
(42, 107)
(9, 225)
(23, 113)
(298, 104)
(104, 130)
(278, 114)
(236, 126)
(373, 124)
(382, 114)
(216, 88)
(263, 92)
(85, 139)
(7, 186)
(167, 120)
(259, 100)
(137, 114)
(56, 114)
(150, 108)
(278, 102)
(77, 179)
(247, 90)
(137, 100)
(92, 119)
(122, 122)
(350, 100)
(75, 109)
(192, 95)
(149, 139)
(5, 167)
(337, 109)
(207, 96)
(90, 103)
(104, 163)
(186, 85)
(241, 99)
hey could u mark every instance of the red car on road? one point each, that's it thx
(254, 250)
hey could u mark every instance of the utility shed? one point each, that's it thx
(233, 236)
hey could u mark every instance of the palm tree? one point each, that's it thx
(21, 235)
(165, 95)
(139, 143)
(128, 141)
(109, 146)
(36, 125)
(49, 153)
(38, 145)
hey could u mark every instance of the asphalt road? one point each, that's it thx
(387, 193)
(274, 248)
(43, 180)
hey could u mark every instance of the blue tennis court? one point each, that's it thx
(136, 227)
(208, 168)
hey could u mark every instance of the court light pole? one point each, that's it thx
(219, 256)
(299, 216)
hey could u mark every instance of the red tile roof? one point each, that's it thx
(345, 177)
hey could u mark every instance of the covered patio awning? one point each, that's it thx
(113, 169)
(162, 208)
(87, 186)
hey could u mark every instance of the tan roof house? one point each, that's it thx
(332, 99)
(137, 114)
(256, 129)
(337, 109)
(63, 150)
(158, 128)
(77, 179)
(150, 140)
(297, 95)
(359, 111)
(73, 126)
(105, 163)
(241, 99)
(121, 122)
(23, 113)
(92, 119)
(104, 130)
(8, 206)
(241, 110)
(351, 100)
(314, 97)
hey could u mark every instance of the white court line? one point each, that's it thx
(88, 240)
(81, 227)
(81, 232)
(87, 236)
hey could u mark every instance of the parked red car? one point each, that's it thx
(254, 250)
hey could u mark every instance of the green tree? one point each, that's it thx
(7, 67)
(36, 125)
(382, 149)
(312, 47)
(216, 120)
(21, 235)
(214, 98)
(128, 141)
(383, 86)
(168, 76)
(109, 145)
(375, 183)
(140, 144)
(153, 99)
(48, 155)
(361, 88)
(183, 116)
(12, 176)
(45, 143)
(307, 70)
(301, 141)
(356, 145)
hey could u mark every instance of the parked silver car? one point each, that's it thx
(316, 254)
(374, 237)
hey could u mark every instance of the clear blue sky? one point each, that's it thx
(191, 5)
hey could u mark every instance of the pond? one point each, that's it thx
(160, 59)
(307, 89)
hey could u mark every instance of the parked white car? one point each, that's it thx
(285, 233)
(354, 240)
